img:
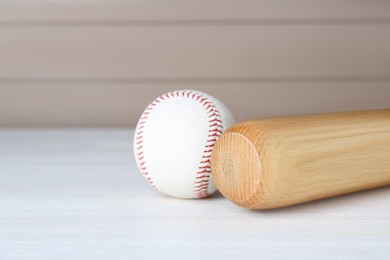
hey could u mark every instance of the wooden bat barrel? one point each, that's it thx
(276, 162)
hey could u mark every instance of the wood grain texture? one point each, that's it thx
(77, 194)
(276, 162)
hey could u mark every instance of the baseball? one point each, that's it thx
(174, 139)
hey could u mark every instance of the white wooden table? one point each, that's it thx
(76, 194)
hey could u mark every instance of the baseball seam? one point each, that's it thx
(203, 175)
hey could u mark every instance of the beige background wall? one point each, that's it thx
(99, 63)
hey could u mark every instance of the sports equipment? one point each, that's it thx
(174, 139)
(276, 162)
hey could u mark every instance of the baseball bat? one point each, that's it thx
(276, 162)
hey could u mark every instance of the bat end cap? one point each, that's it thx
(236, 168)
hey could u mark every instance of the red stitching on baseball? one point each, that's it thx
(202, 183)
(216, 130)
(202, 179)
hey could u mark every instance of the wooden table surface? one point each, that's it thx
(76, 194)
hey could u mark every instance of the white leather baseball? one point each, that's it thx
(174, 139)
